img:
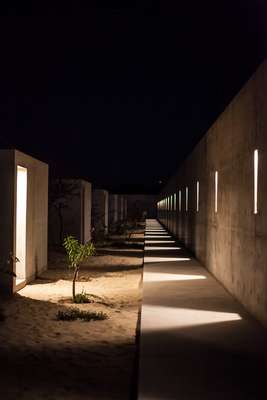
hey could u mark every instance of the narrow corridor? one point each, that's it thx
(196, 341)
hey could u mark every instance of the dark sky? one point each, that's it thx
(120, 95)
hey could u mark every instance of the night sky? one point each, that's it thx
(120, 95)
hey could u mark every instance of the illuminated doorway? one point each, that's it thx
(21, 223)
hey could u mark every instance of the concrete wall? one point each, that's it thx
(100, 212)
(72, 199)
(138, 204)
(231, 243)
(36, 216)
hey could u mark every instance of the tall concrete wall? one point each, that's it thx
(232, 242)
(70, 210)
(36, 216)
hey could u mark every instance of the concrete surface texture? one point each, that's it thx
(100, 212)
(196, 341)
(138, 204)
(232, 242)
(70, 210)
(31, 244)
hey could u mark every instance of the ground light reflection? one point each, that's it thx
(156, 233)
(158, 236)
(161, 277)
(159, 241)
(171, 318)
(148, 259)
(149, 248)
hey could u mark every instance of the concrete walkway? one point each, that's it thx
(196, 341)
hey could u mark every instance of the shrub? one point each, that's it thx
(73, 314)
(84, 297)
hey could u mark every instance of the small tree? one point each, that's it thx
(77, 253)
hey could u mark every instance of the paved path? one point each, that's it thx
(196, 341)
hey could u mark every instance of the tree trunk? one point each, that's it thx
(76, 270)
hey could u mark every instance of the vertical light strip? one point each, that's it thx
(256, 175)
(216, 191)
(180, 200)
(197, 196)
(186, 199)
(175, 202)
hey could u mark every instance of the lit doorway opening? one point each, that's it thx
(21, 222)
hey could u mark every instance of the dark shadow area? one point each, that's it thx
(134, 385)
(52, 367)
(120, 253)
(214, 361)
(128, 245)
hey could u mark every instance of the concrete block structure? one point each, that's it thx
(100, 212)
(23, 219)
(70, 210)
(216, 203)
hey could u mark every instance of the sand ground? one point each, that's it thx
(42, 358)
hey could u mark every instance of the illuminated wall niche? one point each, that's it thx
(180, 200)
(216, 192)
(197, 196)
(256, 175)
(21, 223)
(186, 199)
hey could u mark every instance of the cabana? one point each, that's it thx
(23, 219)
(69, 210)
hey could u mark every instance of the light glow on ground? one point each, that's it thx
(161, 248)
(171, 318)
(158, 236)
(148, 259)
(161, 277)
(156, 233)
(159, 241)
